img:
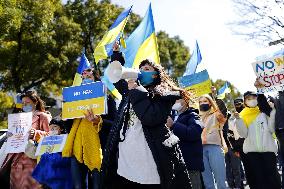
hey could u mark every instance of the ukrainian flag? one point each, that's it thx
(84, 64)
(198, 83)
(194, 60)
(225, 89)
(142, 43)
(111, 88)
(104, 48)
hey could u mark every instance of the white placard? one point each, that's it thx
(19, 125)
(270, 73)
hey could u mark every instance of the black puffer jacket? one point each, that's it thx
(153, 113)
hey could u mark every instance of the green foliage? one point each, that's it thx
(6, 102)
(38, 44)
(41, 40)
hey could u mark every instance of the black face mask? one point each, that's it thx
(239, 109)
(204, 107)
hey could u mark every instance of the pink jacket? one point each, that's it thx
(22, 166)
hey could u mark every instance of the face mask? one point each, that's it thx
(146, 78)
(28, 108)
(177, 106)
(204, 107)
(85, 81)
(54, 132)
(239, 109)
(252, 103)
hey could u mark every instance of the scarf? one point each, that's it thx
(249, 115)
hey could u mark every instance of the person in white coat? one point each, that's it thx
(256, 123)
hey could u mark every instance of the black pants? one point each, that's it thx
(280, 137)
(263, 173)
(123, 183)
(233, 169)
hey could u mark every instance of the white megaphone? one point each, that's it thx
(115, 72)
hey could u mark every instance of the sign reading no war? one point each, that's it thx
(270, 72)
(77, 99)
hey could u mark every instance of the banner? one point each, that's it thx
(199, 83)
(77, 99)
(51, 144)
(19, 125)
(270, 73)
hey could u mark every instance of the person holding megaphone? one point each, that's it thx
(141, 151)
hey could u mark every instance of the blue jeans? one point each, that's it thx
(79, 176)
(214, 164)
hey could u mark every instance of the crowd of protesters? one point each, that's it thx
(159, 136)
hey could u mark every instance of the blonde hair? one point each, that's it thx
(214, 106)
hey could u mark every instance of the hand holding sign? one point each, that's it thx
(258, 84)
(32, 133)
(92, 117)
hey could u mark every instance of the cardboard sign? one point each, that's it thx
(198, 83)
(19, 125)
(77, 99)
(51, 144)
(270, 73)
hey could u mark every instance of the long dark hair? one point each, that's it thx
(40, 105)
(164, 83)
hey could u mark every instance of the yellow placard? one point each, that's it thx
(76, 109)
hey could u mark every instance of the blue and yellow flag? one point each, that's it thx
(198, 83)
(142, 43)
(194, 60)
(104, 48)
(84, 64)
(111, 87)
(225, 89)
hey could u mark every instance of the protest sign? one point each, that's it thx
(51, 144)
(19, 125)
(198, 83)
(77, 99)
(270, 73)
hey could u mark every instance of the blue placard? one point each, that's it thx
(83, 92)
(193, 79)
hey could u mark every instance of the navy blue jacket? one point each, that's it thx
(188, 129)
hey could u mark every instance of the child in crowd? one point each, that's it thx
(53, 171)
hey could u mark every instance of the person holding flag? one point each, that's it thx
(141, 152)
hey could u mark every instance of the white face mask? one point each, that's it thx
(177, 106)
(251, 103)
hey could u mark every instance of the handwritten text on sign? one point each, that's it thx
(19, 125)
(270, 73)
(78, 99)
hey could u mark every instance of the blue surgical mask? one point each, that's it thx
(28, 108)
(146, 78)
(85, 81)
